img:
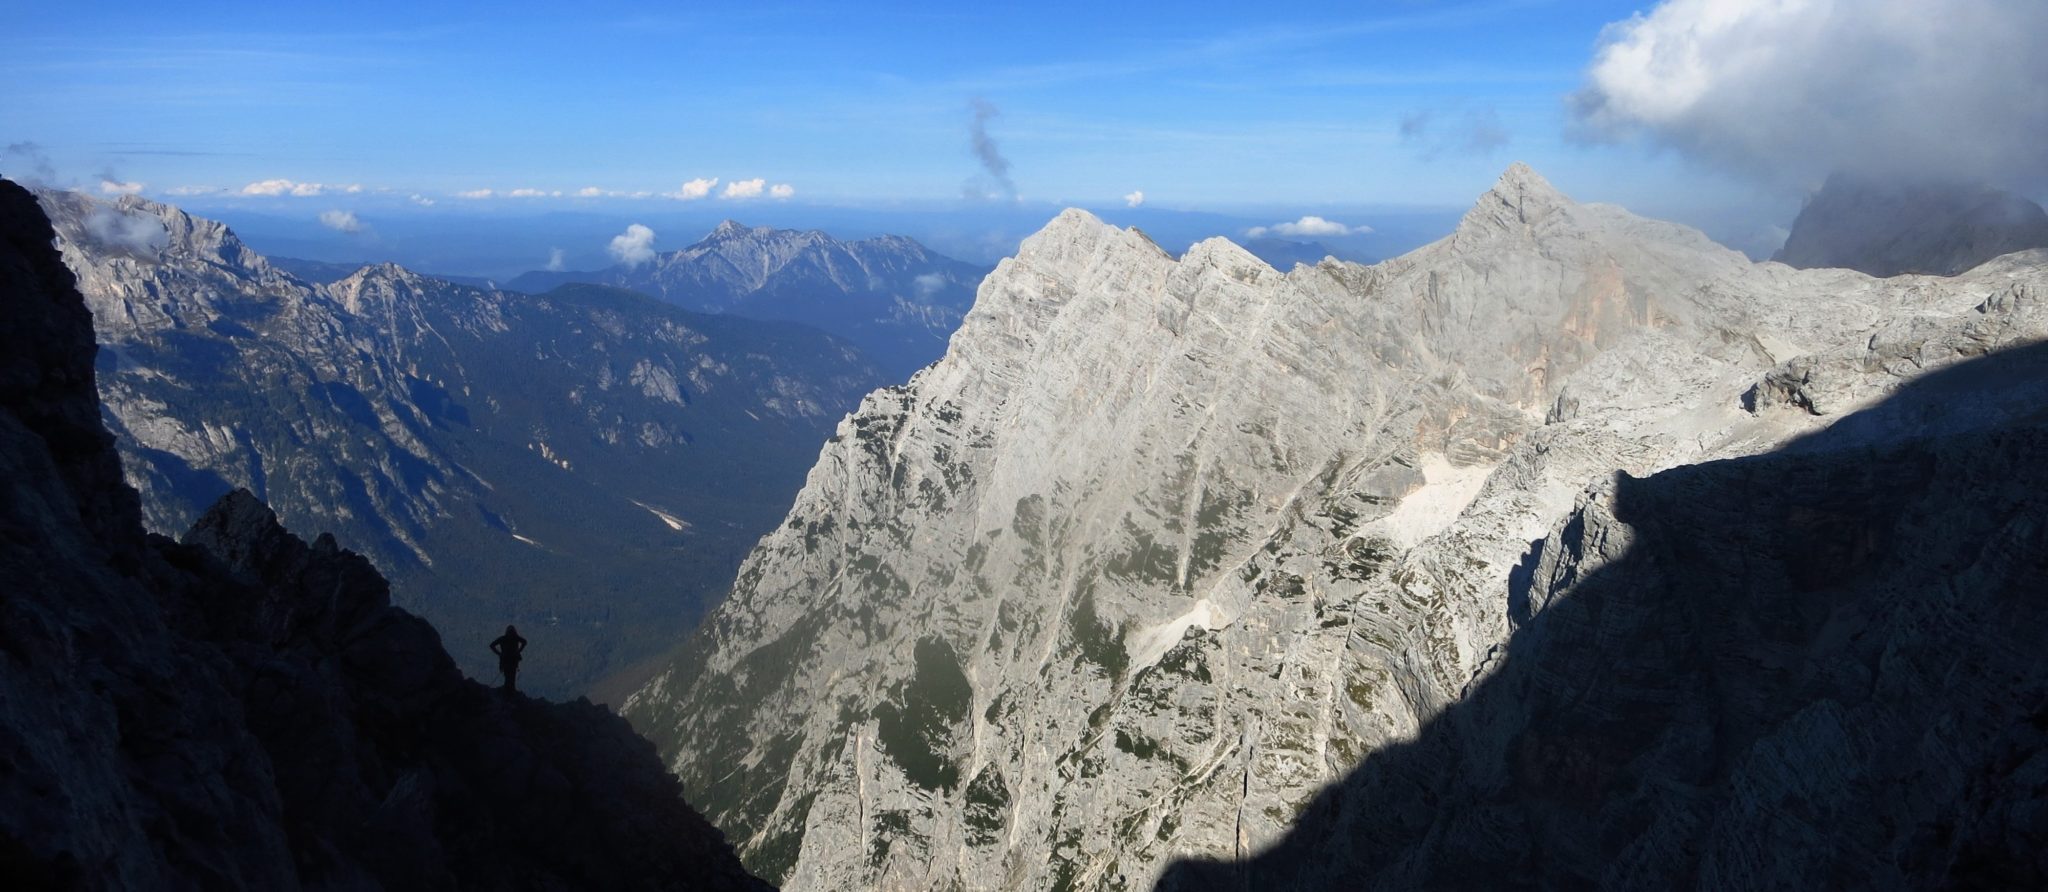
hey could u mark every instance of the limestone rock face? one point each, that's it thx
(1164, 547)
(589, 462)
(246, 711)
(1887, 229)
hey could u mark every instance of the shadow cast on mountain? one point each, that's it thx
(1815, 668)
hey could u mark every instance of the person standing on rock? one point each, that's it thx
(508, 647)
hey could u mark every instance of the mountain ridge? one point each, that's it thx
(1180, 541)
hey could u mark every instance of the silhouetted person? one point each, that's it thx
(507, 647)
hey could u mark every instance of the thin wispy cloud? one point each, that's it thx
(26, 162)
(109, 186)
(994, 180)
(475, 194)
(557, 260)
(295, 189)
(1455, 130)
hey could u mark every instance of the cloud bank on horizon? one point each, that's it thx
(1790, 91)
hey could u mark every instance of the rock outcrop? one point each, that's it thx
(246, 711)
(1890, 229)
(1163, 547)
(590, 462)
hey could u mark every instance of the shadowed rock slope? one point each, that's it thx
(1890, 229)
(1817, 668)
(245, 710)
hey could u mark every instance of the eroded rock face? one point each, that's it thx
(1162, 548)
(589, 462)
(244, 710)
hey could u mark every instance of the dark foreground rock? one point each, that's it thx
(245, 710)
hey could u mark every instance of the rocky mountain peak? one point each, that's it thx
(1519, 201)
(1888, 228)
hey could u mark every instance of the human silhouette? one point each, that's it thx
(508, 647)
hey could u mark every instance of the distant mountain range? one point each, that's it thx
(322, 272)
(590, 464)
(890, 296)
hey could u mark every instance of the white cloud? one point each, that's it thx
(527, 193)
(475, 193)
(190, 190)
(284, 187)
(928, 284)
(589, 192)
(744, 188)
(116, 187)
(1790, 90)
(353, 188)
(694, 189)
(119, 228)
(1310, 226)
(633, 247)
(341, 221)
(556, 260)
(781, 190)
(1137, 197)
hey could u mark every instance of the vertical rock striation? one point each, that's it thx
(1164, 547)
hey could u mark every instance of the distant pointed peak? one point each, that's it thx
(1520, 183)
(732, 227)
(1520, 198)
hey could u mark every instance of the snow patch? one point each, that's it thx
(1151, 643)
(1445, 492)
(674, 523)
(526, 540)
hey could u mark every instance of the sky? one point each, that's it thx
(1263, 113)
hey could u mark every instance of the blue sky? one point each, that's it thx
(1199, 105)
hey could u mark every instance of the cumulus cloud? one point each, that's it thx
(110, 185)
(1456, 130)
(556, 260)
(694, 189)
(294, 188)
(341, 221)
(119, 229)
(26, 162)
(1788, 91)
(994, 180)
(744, 188)
(1137, 197)
(781, 190)
(420, 200)
(589, 192)
(633, 247)
(1309, 226)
